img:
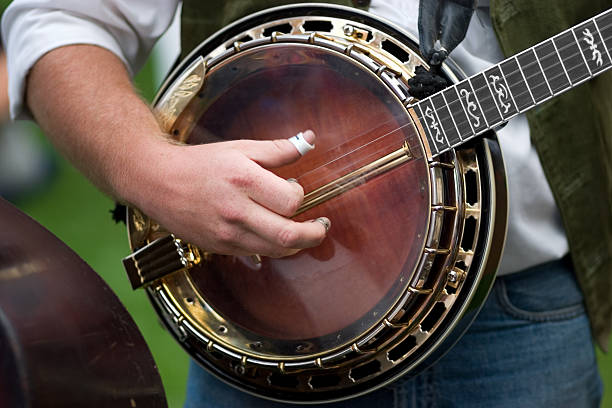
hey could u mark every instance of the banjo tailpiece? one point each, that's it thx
(417, 236)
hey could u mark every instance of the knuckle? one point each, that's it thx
(226, 236)
(231, 214)
(288, 238)
(280, 146)
(242, 181)
(293, 203)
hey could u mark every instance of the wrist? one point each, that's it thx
(140, 172)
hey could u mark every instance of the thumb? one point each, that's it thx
(275, 153)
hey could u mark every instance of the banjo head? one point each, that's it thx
(415, 239)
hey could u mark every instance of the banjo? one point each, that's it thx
(417, 200)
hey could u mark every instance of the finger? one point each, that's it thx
(276, 194)
(274, 153)
(276, 244)
(284, 235)
(253, 245)
(303, 142)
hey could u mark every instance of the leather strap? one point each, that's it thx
(445, 21)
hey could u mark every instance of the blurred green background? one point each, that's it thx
(70, 207)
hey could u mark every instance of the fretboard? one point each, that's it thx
(517, 84)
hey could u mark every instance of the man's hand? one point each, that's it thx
(219, 197)
(222, 197)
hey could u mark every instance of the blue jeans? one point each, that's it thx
(530, 346)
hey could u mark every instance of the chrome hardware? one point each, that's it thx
(455, 277)
(159, 258)
(354, 32)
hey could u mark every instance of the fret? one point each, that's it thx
(502, 95)
(436, 114)
(493, 97)
(458, 113)
(542, 69)
(446, 120)
(571, 57)
(421, 118)
(508, 90)
(592, 48)
(452, 116)
(517, 84)
(533, 74)
(525, 79)
(564, 70)
(550, 62)
(603, 23)
(484, 97)
(471, 106)
(432, 126)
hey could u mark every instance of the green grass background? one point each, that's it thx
(77, 213)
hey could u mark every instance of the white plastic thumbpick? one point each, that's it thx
(301, 144)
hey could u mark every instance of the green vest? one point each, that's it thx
(572, 133)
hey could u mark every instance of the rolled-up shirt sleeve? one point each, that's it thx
(32, 28)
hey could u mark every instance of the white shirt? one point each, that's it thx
(130, 28)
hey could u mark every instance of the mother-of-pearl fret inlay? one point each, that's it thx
(434, 124)
(590, 40)
(502, 92)
(471, 107)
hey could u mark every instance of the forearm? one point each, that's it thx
(82, 97)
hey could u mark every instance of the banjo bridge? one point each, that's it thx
(355, 178)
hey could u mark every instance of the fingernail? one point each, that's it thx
(301, 143)
(292, 180)
(325, 222)
(309, 136)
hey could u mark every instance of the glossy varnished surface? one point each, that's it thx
(342, 287)
(65, 339)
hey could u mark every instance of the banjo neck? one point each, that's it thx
(490, 98)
